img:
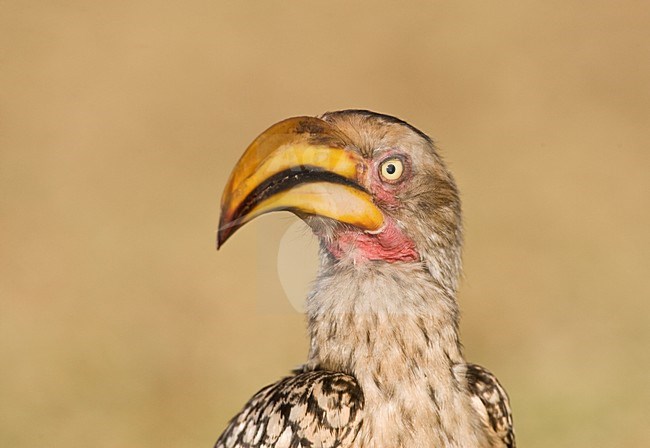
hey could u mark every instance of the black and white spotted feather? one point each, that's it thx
(316, 409)
(491, 402)
(322, 409)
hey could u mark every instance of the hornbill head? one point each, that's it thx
(371, 187)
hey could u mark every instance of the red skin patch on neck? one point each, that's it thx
(389, 245)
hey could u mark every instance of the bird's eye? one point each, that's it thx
(391, 169)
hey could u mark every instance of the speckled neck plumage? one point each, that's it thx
(395, 328)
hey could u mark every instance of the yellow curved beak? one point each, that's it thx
(301, 165)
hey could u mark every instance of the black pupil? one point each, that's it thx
(390, 168)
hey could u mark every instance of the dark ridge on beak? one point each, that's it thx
(282, 181)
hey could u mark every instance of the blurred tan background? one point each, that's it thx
(121, 326)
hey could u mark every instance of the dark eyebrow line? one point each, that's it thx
(386, 118)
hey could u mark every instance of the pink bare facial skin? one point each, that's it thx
(390, 245)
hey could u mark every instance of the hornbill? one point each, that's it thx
(385, 367)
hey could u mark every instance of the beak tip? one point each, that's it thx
(221, 234)
(221, 238)
(225, 231)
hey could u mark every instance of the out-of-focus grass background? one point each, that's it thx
(120, 326)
